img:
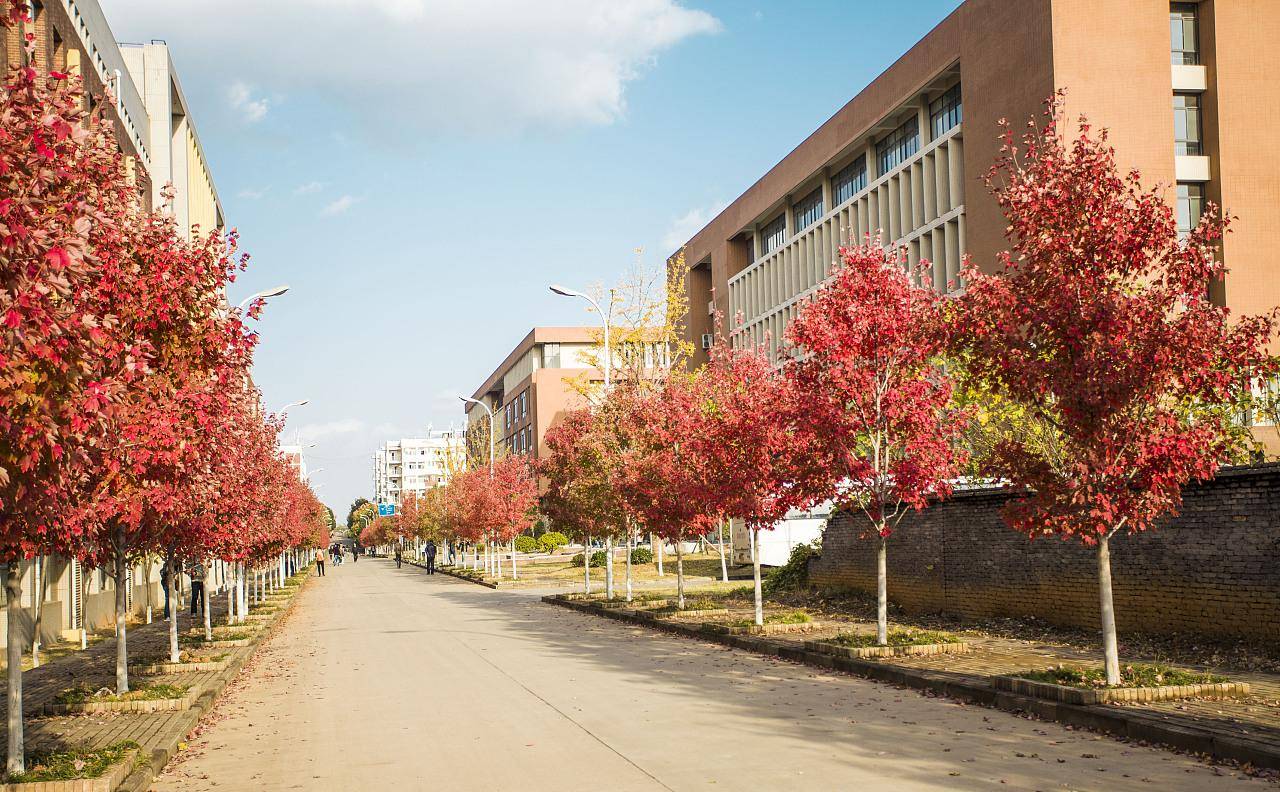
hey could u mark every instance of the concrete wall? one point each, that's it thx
(1214, 569)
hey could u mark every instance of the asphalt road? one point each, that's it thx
(386, 679)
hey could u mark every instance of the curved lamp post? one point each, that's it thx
(492, 420)
(276, 292)
(563, 292)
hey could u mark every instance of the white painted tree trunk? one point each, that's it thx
(13, 656)
(231, 599)
(679, 573)
(586, 566)
(724, 559)
(1110, 649)
(882, 591)
(656, 542)
(630, 536)
(175, 609)
(514, 574)
(608, 567)
(206, 599)
(37, 610)
(755, 575)
(122, 617)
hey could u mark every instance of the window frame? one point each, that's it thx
(1183, 115)
(947, 108)
(852, 177)
(1182, 14)
(767, 234)
(808, 210)
(1190, 202)
(898, 146)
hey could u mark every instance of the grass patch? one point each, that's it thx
(783, 617)
(691, 603)
(1130, 676)
(238, 635)
(83, 694)
(71, 765)
(896, 638)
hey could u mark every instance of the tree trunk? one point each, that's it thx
(724, 561)
(679, 573)
(586, 566)
(122, 617)
(206, 601)
(231, 599)
(37, 610)
(242, 602)
(630, 544)
(514, 574)
(754, 535)
(882, 591)
(1110, 651)
(608, 567)
(656, 542)
(176, 609)
(13, 655)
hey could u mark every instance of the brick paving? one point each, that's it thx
(95, 667)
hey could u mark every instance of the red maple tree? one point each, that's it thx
(873, 397)
(1100, 325)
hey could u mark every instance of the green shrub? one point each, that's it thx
(903, 637)
(598, 559)
(641, 555)
(551, 541)
(792, 575)
(526, 544)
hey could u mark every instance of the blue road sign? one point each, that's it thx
(386, 510)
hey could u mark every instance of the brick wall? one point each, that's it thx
(1214, 569)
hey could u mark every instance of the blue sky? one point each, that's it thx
(418, 171)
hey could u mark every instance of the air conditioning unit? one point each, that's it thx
(708, 340)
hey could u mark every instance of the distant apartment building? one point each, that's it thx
(415, 464)
(1181, 86)
(537, 382)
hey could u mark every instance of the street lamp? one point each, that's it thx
(276, 292)
(563, 292)
(491, 425)
(285, 408)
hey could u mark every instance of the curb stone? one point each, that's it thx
(1119, 721)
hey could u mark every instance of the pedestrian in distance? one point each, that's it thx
(399, 556)
(355, 553)
(431, 557)
(197, 573)
(320, 563)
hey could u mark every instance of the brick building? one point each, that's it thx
(907, 154)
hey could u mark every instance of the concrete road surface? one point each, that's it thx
(386, 679)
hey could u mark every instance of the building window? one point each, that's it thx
(510, 419)
(945, 112)
(1186, 124)
(898, 147)
(1190, 206)
(551, 356)
(809, 210)
(524, 405)
(773, 233)
(1184, 34)
(849, 181)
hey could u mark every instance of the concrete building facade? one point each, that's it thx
(905, 157)
(177, 160)
(539, 381)
(415, 464)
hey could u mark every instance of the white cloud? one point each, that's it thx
(489, 66)
(240, 97)
(308, 188)
(338, 206)
(686, 225)
(252, 194)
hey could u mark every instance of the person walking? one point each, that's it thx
(197, 573)
(320, 563)
(355, 553)
(431, 557)
(399, 555)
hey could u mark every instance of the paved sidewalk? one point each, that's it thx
(392, 679)
(157, 733)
